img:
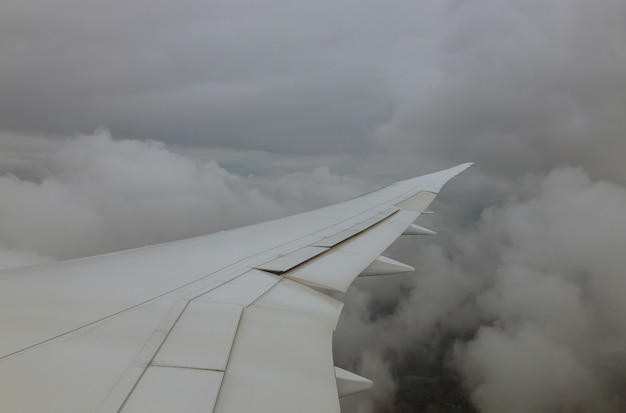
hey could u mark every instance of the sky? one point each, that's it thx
(126, 123)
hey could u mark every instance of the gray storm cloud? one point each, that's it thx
(521, 294)
(521, 86)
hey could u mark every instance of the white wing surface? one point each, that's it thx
(231, 322)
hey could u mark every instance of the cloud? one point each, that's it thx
(101, 195)
(524, 371)
(516, 85)
(19, 258)
(531, 296)
(23, 155)
(521, 85)
(217, 74)
(553, 305)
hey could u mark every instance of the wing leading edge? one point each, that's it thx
(230, 322)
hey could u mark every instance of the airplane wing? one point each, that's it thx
(235, 321)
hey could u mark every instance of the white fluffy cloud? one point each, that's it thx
(100, 195)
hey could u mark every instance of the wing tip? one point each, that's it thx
(459, 168)
(433, 182)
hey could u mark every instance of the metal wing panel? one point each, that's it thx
(281, 363)
(77, 372)
(337, 268)
(435, 181)
(243, 290)
(418, 202)
(341, 236)
(286, 262)
(69, 295)
(171, 389)
(281, 360)
(201, 338)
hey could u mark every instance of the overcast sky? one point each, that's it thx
(518, 85)
(231, 112)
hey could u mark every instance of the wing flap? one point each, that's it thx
(171, 389)
(293, 259)
(418, 202)
(283, 347)
(337, 268)
(341, 236)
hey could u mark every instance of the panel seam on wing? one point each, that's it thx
(230, 353)
(166, 335)
(387, 215)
